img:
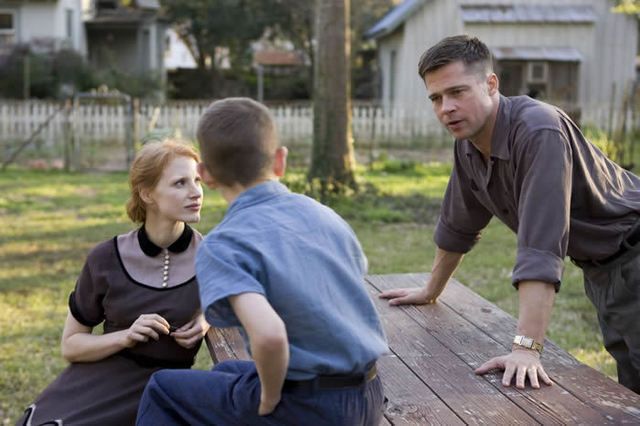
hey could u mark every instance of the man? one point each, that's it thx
(528, 164)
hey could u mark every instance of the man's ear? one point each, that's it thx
(205, 176)
(492, 83)
(280, 161)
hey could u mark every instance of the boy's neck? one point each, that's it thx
(230, 193)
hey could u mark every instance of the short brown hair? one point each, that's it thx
(470, 50)
(147, 169)
(237, 138)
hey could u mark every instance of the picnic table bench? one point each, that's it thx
(428, 375)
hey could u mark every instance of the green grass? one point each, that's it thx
(51, 219)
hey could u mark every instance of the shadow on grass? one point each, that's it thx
(371, 204)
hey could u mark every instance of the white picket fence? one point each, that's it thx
(99, 124)
(295, 121)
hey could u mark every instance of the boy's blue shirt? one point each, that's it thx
(309, 265)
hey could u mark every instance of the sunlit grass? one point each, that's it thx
(50, 220)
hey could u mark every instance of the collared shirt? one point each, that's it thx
(547, 183)
(308, 264)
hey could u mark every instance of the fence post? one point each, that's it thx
(129, 129)
(67, 135)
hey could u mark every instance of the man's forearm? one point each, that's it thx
(536, 304)
(444, 265)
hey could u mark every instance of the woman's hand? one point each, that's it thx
(147, 326)
(190, 334)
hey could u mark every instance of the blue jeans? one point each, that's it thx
(230, 395)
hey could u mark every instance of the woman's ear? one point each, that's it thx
(145, 195)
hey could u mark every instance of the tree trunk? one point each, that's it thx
(332, 161)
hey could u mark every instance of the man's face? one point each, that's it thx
(461, 98)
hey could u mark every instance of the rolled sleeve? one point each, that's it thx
(544, 178)
(452, 240)
(223, 271)
(536, 265)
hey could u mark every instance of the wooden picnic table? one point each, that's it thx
(428, 375)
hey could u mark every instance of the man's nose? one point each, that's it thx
(448, 104)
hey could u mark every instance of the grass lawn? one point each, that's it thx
(50, 220)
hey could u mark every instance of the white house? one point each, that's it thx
(128, 35)
(575, 53)
(176, 53)
(45, 25)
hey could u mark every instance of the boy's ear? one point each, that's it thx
(280, 161)
(205, 176)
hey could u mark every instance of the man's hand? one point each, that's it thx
(268, 405)
(521, 362)
(444, 263)
(407, 296)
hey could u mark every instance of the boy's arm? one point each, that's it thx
(269, 345)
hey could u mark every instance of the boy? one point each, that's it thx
(289, 272)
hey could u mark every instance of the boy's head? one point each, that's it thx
(238, 142)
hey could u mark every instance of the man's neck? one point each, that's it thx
(230, 193)
(482, 141)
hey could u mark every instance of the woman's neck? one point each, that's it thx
(163, 233)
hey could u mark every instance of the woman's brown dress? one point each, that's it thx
(122, 279)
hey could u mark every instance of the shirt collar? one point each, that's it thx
(178, 246)
(257, 194)
(500, 136)
(501, 130)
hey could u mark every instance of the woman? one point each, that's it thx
(141, 286)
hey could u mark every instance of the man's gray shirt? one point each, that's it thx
(545, 181)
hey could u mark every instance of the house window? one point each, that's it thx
(107, 4)
(553, 81)
(537, 72)
(7, 27)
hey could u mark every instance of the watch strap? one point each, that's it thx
(528, 342)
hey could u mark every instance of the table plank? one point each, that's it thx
(483, 330)
(475, 401)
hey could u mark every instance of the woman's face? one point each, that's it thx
(178, 194)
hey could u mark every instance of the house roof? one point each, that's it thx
(394, 18)
(558, 54)
(487, 14)
(522, 13)
(277, 58)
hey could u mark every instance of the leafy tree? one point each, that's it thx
(628, 6)
(207, 26)
(295, 20)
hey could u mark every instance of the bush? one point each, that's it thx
(600, 139)
(61, 74)
(51, 75)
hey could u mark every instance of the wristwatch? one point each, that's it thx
(528, 342)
